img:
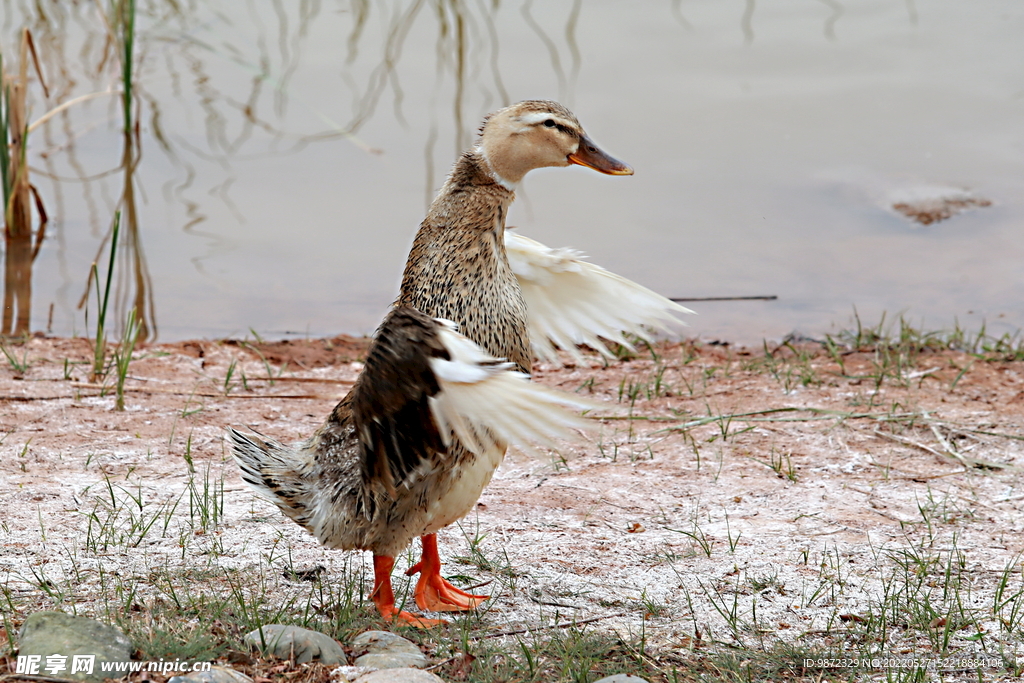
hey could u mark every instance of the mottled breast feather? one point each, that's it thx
(458, 269)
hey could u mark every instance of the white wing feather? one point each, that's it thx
(571, 302)
(488, 405)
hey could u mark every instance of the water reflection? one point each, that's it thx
(21, 242)
(270, 133)
(747, 22)
(134, 288)
(830, 23)
(82, 49)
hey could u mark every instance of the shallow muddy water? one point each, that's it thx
(287, 152)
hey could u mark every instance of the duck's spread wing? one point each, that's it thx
(572, 302)
(424, 385)
(487, 404)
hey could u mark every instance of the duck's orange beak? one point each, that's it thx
(590, 155)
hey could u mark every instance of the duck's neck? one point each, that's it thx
(458, 268)
(471, 193)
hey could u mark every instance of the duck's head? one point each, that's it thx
(535, 134)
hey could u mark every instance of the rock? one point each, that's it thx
(286, 642)
(349, 674)
(360, 674)
(621, 678)
(216, 674)
(70, 647)
(384, 650)
(398, 676)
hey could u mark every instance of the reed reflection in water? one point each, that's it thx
(281, 153)
(134, 288)
(20, 241)
(80, 49)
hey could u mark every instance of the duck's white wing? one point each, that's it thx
(424, 384)
(487, 403)
(572, 302)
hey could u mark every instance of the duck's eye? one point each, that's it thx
(550, 123)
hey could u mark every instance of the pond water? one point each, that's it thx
(286, 152)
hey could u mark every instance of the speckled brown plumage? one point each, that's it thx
(367, 488)
(457, 268)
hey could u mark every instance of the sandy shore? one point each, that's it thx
(731, 495)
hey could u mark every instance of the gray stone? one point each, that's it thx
(56, 633)
(216, 674)
(384, 650)
(286, 642)
(621, 678)
(398, 676)
(348, 674)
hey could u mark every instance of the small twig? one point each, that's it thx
(1010, 499)
(967, 463)
(946, 446)
(551, 604)
(768, 297)
(915, 444)
(32, 398)
(641, 418)
(826, 632)
(890, 516)
(318, 380)
(61, 107)
(567, 624)
(817, 414)
(442, 663)
(1016, 437)
(206, 394)
(32, 677)
(907, 475)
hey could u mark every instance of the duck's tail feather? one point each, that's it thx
(274, 471)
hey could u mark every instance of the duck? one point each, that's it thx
(445, 387)
(407, 451)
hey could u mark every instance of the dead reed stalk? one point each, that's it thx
(22, 244)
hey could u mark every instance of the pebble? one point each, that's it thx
(397, 676)
(216, 674)
(286, 642)
(385, 650)
(349, 674)
(621, 678)
(56, 633)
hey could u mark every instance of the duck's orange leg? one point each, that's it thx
(432, 591)
(384, 597)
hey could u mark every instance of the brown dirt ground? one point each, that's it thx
(825, 491)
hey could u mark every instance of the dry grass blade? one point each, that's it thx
(947, 451)
(205, 394)
(531, 629)
(916, 444)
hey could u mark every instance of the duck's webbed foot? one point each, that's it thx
(384, 597)
(433, 592)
